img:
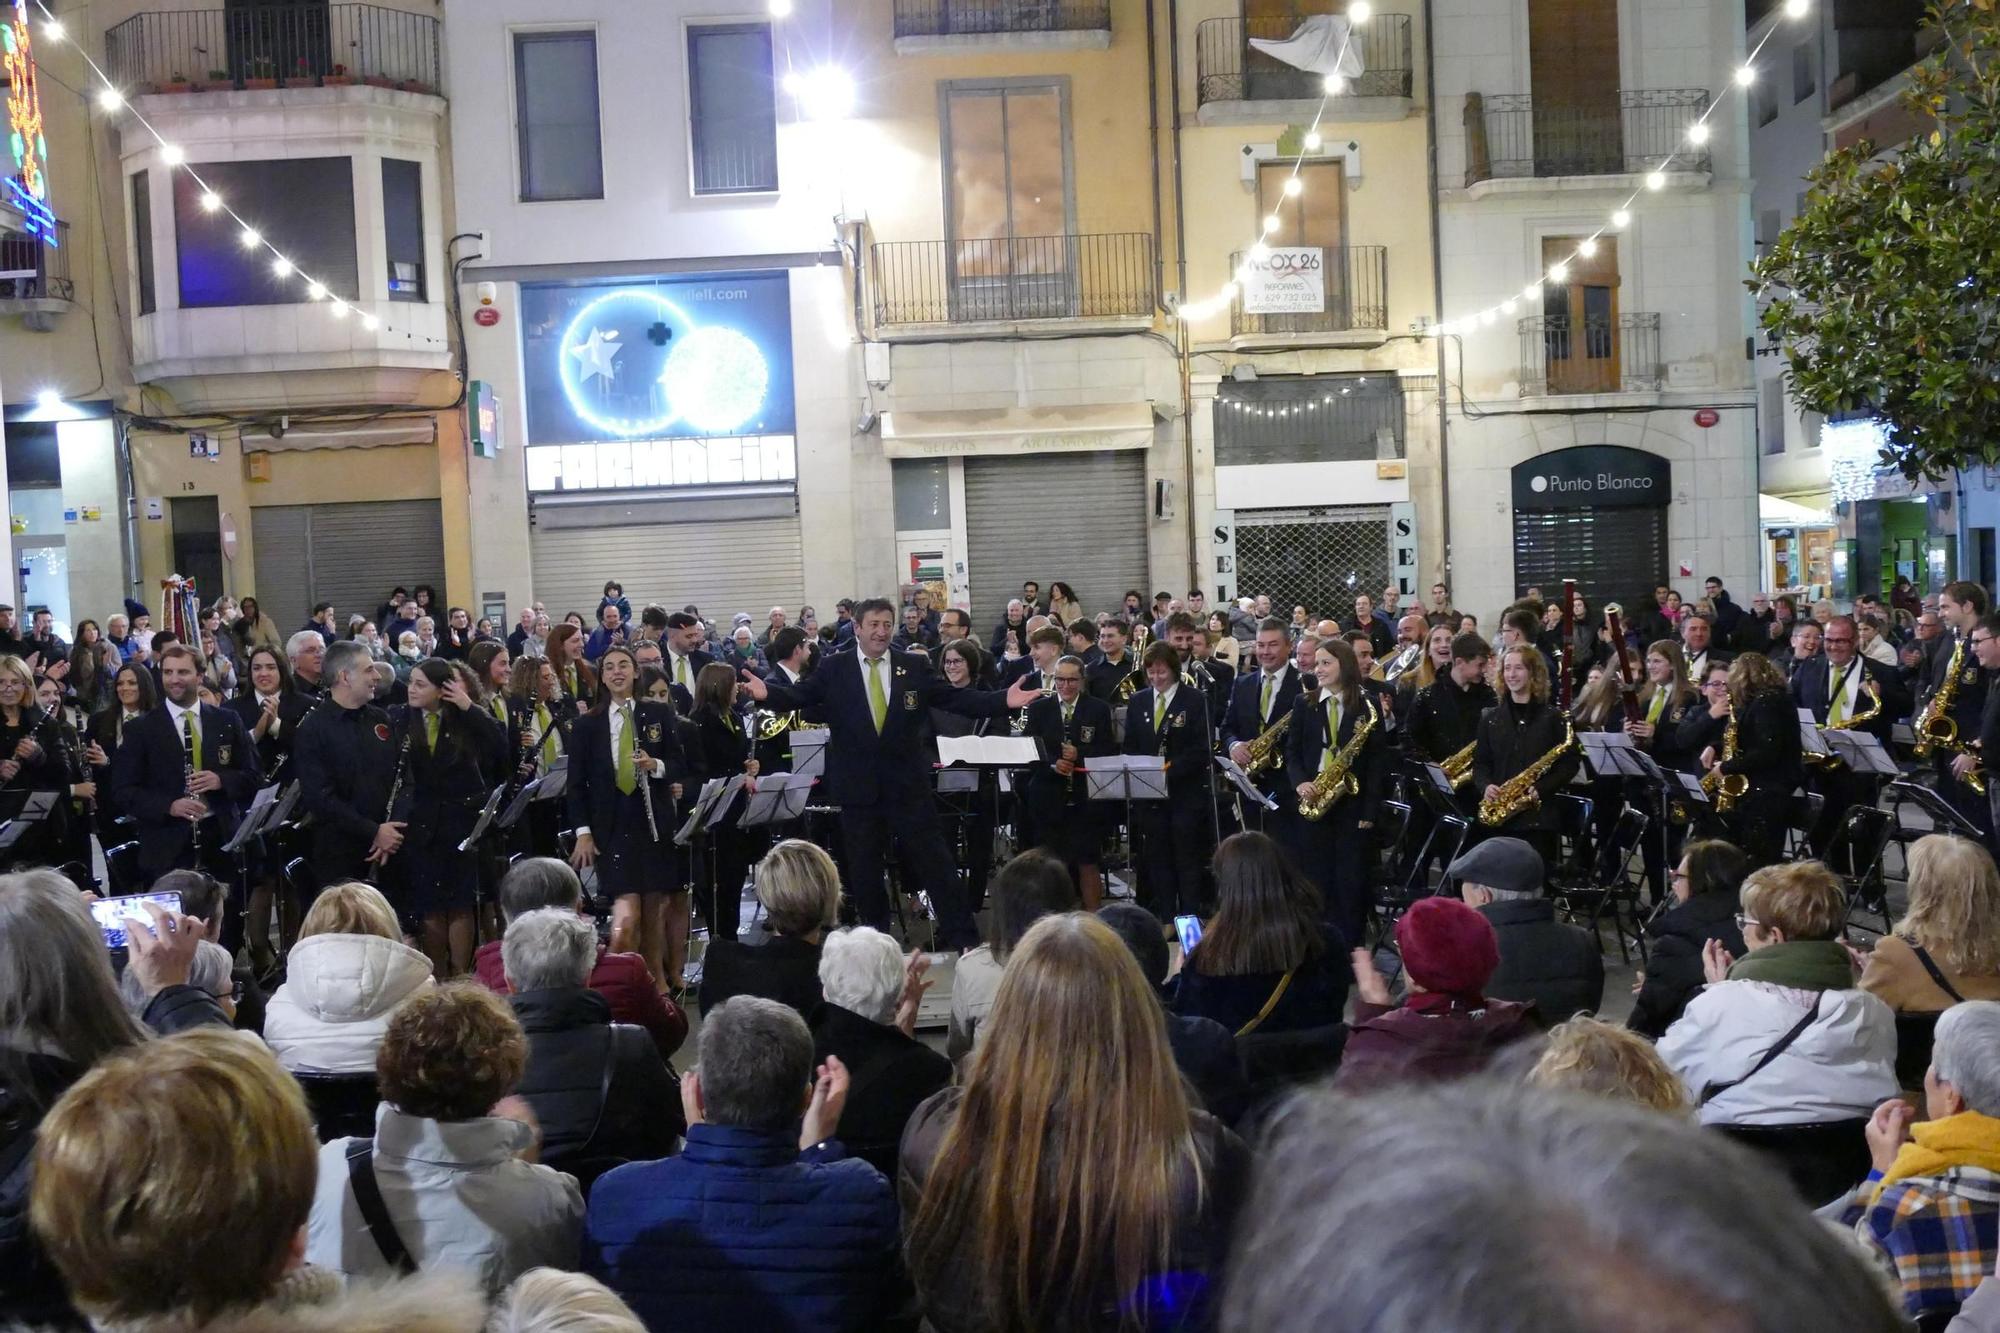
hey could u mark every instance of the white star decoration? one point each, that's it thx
(598, 354)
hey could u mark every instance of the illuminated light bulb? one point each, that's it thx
(1698, 133)
(1588, 248)
(1489, 317)
(315, 291)
(1656, 180)
(1797, 9)
(781, 9)
(49, 400)
(1532, 292)
(1621, 219)
(1559, 274)
(1294, 186)
(1312, 141)
(171, 154)
(1746, 76)
(249, 238)
(281, 267)
(54, 30)
(1334, 85)
(110, 99)
(1229, 290)
(1270, 223)
(1508, 306)
(826, 93)
(210, 201)
(1259, 251)
(339, 308)
(370, 322)
(1358, 11)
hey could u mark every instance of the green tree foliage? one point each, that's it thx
(1884, 292)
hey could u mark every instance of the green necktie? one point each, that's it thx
(1159, 712)
(1067, 710)
(680, 670)
(628, 781)
(1659, 705)
(499, 705)
(1332, 732)
(1264, 707)
(548, 733)
(878, 698)
(431, 732)
(1838, 713)
(193, 733)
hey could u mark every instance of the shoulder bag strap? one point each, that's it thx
(1277, 994)
(604, 1082)
(374, 1212)
(1937, 973)
(1714, 1090)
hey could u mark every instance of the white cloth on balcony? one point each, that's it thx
(1322, 43)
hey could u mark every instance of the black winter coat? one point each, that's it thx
(1513, 736)
(602, 1092)
(1673, 970)
(890, 1075)
(1555, 965)
(31, 1290)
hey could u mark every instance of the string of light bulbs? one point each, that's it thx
(111, 99)
(1698, 135)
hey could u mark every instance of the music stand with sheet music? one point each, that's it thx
(809, 752)
(1241, 781)
(1944, 817)
(38, 807)
(779, 799)
(1863, 753)
(255, 819)
(486, 818)
(1127, 778)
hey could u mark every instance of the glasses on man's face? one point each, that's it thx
(1069, 680)
(1978, 639)
(1838, 638)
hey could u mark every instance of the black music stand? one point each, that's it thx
(1127, 778)
(34, 810)
(1944, 818)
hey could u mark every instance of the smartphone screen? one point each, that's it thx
(112, 914)
(1190, 932)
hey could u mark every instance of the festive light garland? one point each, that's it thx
(27, 190)
(1698, 134)
(110, 99)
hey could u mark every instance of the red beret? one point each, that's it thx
(1447, 947)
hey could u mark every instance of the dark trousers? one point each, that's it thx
(720, 867)
(1338, 855)
(1840, 789)
(1173, 851)
(867, 832)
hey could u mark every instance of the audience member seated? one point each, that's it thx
(1495, 1208)
(1267, 962)
(1445, 1026)
(205, 899)
(212, 972)
(1204, 1050)
(799, 886)
(1930, 1208)
(868, 1022)
(449, 1178)
(536, 882)
(1067, 1184)
(1556, 967)
(1947, 946)
(1025, 890)
(60, 1014)
(600, 1091)
(760, 1222)
(172, 1187)
(1706, 888)
(1601, 1059)
(1783, 1036)
(547, 1300)
(344, 981)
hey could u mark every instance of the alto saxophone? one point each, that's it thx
(1518, 794)
(1934, 725)
(1337, 779)
(1725, 789)
(1458, 767)
(1267, 749)
(1858, 719)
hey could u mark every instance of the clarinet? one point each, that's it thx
(187, 779)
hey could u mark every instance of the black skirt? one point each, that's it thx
(628, 859)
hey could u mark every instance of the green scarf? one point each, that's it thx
(1817, 965)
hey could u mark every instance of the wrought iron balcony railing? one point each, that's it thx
(1516, 135)
(1229, 69)
(1610, 355)
(31, 269)
(265, 46)
(1356, 282)
(956, 18)
(1107, 276)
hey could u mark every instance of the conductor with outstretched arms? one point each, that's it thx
(879, 762)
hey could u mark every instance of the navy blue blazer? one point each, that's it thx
(862, 766)
(149, 773)
(1812, 688)
(1243, 722)
(591, 789)
(1182, 740)
(1306, 743)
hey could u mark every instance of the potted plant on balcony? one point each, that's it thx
(301, 75)
(337, 77)
(177, 82)
(260, 72)
(218, 80)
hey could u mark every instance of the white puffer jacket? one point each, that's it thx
(338, 996)
(1840, 1068)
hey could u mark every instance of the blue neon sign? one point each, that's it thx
(665, 358)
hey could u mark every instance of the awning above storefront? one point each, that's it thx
(1774, 511)
(336, 435)
(997, 431)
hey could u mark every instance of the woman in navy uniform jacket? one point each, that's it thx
(1337, 851)
(1169, 717)
(724, 752)
(456, 755)
(632, 858)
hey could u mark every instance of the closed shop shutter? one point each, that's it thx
(722, 566)
(1318, 557)
(349, 554)
(1618, 555)
(1080, 518)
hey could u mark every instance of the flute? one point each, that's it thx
(646, 798)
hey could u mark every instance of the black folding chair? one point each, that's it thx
(1801, 819)
(1577, 827)
(342, 1105)
(1823, 1159)
(1855, 854)
(1620, 876)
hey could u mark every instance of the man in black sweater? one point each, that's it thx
(1556, 966)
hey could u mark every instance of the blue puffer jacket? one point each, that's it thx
(742, 1230)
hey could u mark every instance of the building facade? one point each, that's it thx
(1602, 416)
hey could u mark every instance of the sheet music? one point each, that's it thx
(1127, 777)
(1014, 751)
(485, 821)
(698, 810)
(779, 797)
(727, 798)
(1241, 781)
(261, 805)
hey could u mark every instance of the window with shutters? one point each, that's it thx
(1573, 76)
(1580, 317)
(732, 108)
(1617, 555)
(555, 109)
(1008, 204)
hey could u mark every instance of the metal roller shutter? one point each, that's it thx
(347, 554)
(1080, 518)
(1319, 558)
(1614, 556)
(722, 566)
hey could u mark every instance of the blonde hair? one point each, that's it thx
(1954, 910)
(158, 1151)
(14, 666)
(799, 886)
(548, 1300)
(1538, 671)
(1602, 1059)
(1803, 899)
(351, 908)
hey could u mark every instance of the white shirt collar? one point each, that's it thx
(176, 710)
(1166, 700)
